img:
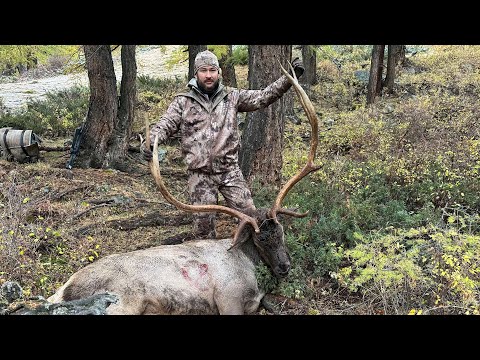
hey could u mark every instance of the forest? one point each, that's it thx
(393, 224)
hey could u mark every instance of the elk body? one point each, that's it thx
(198, 276)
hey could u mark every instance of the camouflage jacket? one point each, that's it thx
(209, 131)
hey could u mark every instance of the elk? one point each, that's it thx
(214, 276)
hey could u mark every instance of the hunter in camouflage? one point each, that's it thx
(206, 117)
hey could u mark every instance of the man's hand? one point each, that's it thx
(298, 67)
(147, 154)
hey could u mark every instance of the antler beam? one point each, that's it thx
(309, 166)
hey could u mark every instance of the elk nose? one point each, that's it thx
(284, 268)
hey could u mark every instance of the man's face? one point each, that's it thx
(208, 77)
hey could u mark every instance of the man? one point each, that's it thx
(207, 119)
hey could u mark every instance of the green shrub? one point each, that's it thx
(56, 115)
(426, 269)
(239, 55)
(157, 85)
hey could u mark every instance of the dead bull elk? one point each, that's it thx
(199, 276)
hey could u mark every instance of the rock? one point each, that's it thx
(11, 291)
(92, 305)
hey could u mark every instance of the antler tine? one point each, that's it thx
(155, 170)
(309, 166)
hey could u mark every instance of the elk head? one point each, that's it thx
(268, 237)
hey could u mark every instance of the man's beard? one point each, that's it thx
(208, 91)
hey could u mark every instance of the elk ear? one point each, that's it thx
(244, 232)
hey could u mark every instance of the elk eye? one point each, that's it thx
(262, 237)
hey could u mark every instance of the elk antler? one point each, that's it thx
(155, 170)
(309, 166)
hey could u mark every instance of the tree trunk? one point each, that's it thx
(391, 64)
(309, 58)
(118, 149)
(262, 140)
(103, 106)
(376, 67)
(380, 70)
(400, 56)
(193, 50)
(288, 100)
(228, 70)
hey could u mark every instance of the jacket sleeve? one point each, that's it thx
(169, 122)
(251, 100)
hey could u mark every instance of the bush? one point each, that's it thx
(240, 55)
(422, 270)
(158, 85)
(56, 115)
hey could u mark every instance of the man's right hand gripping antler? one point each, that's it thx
(147, 154)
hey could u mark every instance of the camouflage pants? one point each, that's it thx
(204, 188)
